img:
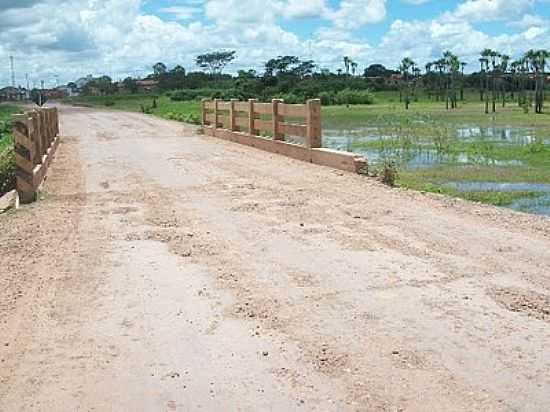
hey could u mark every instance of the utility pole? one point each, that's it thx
(12, 67)
(28, 93)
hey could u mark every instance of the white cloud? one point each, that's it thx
(76, 37)
(182, 12)
(490, 10)
(352, 14)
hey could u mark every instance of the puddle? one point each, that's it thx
(499, 186)
(539, 205)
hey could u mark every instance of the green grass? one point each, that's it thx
(188, 111)
(7, 155)
(470, 112)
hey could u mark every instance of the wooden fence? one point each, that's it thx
(292, 130)
(36, 135)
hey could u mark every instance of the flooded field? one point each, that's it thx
(503, 165)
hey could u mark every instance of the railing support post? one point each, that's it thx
(276, 118)
(313, 122)
(251, 116)
(232, 125)
(203, 112)
(216, 113)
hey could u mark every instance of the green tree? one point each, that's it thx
(159, 69)
(216, 61)
(130, 85)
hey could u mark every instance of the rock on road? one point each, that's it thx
(164, 270)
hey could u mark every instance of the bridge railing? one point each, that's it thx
(276, 119)
(36, 135)
(292, 130)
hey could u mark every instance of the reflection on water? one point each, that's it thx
(500, 186)
(539, 205)
(418, 157)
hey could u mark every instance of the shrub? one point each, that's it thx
(7, 169)
(346, 96)
(183, 117)
(291, 98)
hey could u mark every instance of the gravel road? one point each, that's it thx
(164, 270)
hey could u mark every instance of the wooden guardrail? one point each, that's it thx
(36, 135)
(269, 126)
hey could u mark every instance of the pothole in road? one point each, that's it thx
(533, 304)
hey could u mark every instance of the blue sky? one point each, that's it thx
(62, 40)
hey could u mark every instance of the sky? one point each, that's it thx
(60, 41)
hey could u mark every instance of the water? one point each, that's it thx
(418, 157)
(538, 205)
(500, 186)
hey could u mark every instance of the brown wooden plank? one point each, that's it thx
(263, 108)
(263, 124)
(241, 122)
(224, 105)
(293, 110)
(293, 129)
(241, 106)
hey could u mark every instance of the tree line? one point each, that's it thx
(289, 77)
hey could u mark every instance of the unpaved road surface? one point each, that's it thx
(168, 271)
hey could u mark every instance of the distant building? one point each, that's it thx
(68, 91)
(12, 94)
(147, 85)
(56, 94)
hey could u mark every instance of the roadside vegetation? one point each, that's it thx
(7, 154)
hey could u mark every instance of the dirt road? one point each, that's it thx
(165, 270)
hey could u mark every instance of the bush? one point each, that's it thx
(389, 173)
(183, 117)
(7, 169)
(346, 96)
(291, 98)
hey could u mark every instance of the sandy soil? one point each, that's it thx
(165, 270)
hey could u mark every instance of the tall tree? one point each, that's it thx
(159, 69)
(406, 68)
(538, 61)
(216, 61)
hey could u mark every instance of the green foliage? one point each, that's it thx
(7, 169)
(215, 62)
(7, 154)
(347, 97)
(183, 117)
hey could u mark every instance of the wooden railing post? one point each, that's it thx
(203, 112)
(313, 122)
(216, 113)
(232, 125)
(276, 119)
(24, 157)
(251, 116)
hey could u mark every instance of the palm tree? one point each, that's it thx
(407, 65)
(538, 60)
(484, 60)
(353, 68)
(462, 67)
(347, 62)
(504, 60)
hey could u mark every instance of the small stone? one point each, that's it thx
(265, 353)
(395, 352)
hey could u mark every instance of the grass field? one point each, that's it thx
(509, 146)
(182, 111)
